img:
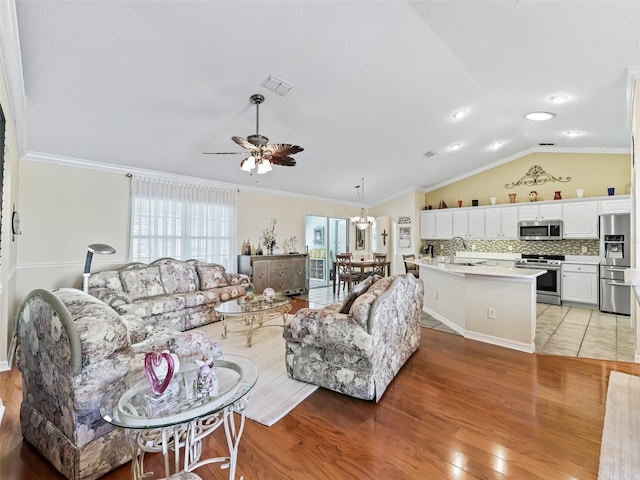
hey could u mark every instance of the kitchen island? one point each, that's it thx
(491, 304)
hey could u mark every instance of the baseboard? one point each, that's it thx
(501, 342)
(1, 411)
(4, 366)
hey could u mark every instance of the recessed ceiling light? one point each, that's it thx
(539, 116)
(496, 145)
(429, 154)
(455, 146)
(573, 133)
(459, 114)
(559, 98)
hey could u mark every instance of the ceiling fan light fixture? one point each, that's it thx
(248, 164)
(264, 166)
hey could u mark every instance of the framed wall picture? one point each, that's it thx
(360, 239)
(404, 236)
(318, 236)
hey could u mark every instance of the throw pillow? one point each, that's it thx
(211, 276)
(177, 276)
(142, 282)
(356, 291)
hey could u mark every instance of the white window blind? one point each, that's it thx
(182, 221)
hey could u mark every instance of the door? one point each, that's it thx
(324, 237)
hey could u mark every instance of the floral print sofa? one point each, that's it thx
(72, 346)
(358, 346)
(168, 292)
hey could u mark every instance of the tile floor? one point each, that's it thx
(560, 330)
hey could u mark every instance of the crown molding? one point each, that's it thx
(122, 169)
(11, 64)
(524, 153)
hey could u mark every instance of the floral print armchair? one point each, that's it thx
(357, 347)
(72, 346)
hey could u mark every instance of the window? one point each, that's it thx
(182, 221)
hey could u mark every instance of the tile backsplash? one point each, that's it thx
(563, 247)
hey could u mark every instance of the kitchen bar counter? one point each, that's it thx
(491, 304)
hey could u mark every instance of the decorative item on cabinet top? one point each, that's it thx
(536, 176)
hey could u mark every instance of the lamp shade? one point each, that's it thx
(99, 248)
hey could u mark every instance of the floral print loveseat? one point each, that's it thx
(71, 348)
(168, 292)
(358, 346)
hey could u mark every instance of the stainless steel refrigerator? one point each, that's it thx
(615, 257)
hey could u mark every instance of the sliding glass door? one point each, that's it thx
(324, 237)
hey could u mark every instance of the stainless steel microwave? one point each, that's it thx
(540, 230)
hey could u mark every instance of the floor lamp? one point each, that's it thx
(100, 248)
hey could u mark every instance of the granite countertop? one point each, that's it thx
(478, 269)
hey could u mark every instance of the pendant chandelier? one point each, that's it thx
(363, 221)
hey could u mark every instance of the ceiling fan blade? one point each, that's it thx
(283, 161)
(244, 143)
(282, 149)
(223, 153)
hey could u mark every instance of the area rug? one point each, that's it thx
(619, 459)
(275, 393)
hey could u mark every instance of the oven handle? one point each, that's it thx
(539, 267)
(615, 269)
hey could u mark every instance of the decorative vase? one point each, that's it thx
(512, 198)
(271, 250)
(207, 378)
(533, 196)
(159, 368)
(558, 195)
(259, 250)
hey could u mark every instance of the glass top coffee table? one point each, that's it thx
(179, 419)
(252, 314)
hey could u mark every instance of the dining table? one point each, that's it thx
(363, 265)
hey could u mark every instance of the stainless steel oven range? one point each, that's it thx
(548, 285)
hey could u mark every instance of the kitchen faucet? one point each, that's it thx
(452, 252)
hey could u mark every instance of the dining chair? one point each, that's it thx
(411, 268)
(379, 264)
(346, 273)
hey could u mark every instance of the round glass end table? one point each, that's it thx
(175, 422)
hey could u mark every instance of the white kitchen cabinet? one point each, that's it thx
(580, 220)
(614, 205)
(580, 283)
(468, 223)
(501, 223)
(436, 224)
(540, 211)
(427, 224)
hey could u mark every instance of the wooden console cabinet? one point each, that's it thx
(286, 274)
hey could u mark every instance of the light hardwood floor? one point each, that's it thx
(458, 409)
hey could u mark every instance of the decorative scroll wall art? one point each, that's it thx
(536, 176)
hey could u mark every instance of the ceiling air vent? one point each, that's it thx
(546, 144)
(429, 154)
(276, 85)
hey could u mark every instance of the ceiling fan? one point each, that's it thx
(262, 154)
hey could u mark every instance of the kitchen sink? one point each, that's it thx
(469, 263)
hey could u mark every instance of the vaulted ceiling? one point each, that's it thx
(154, 84)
